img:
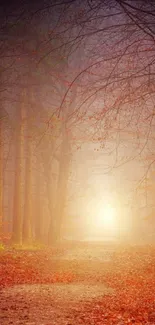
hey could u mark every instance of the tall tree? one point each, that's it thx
(17, 198)
(38, 209)
(27, 210)
(1, 174)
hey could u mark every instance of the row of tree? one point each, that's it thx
(71, 72)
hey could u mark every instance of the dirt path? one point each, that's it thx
(72, 285)
(57, 304)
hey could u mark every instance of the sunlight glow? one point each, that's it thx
(107, 216)
(104, 219)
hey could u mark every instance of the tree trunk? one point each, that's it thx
(38, 207)
(50, 198)
(57, 218)
(17, 213)
(1, 178)
(27, 213)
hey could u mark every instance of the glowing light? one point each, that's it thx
(106, 216)
(104, 219)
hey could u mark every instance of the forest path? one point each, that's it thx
(78, 284)
(59, 303)
(54, 304)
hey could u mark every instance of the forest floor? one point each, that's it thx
(91, 284)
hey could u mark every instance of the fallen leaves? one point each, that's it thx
(28, 268)
(131, 272)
